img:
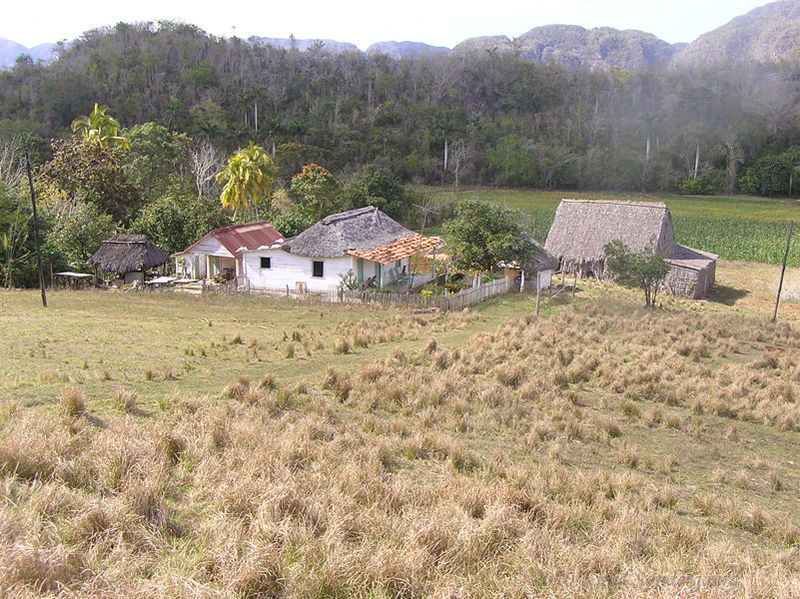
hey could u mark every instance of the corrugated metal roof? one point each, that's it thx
(402, 248)
(236, 237)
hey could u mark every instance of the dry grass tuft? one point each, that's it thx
(72, 402)
(341, 346)
(125, 400)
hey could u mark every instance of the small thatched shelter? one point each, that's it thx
(128, 256)
(582, 228)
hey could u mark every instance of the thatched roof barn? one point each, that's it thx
(582, 228)
(126, 254)
(358, 230)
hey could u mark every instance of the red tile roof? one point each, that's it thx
(236, 237)
(402, 248)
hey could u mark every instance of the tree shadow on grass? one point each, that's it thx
(724, 294)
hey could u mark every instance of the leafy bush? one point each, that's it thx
(703, 185)
(645, 270)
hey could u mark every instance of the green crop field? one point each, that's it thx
(736, 228)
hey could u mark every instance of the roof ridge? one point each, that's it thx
(660, 205)
(237, 226)
(339, 216)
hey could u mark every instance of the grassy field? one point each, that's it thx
(173, 446)
(736, 228)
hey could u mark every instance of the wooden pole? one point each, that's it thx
(783, 270)
(574, 283)
(36, 229)
(538, 290)
(521, 281)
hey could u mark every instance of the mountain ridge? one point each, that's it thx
(769, 33)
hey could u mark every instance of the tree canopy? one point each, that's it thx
(505, 120)
(482, 236)
(246, 178)
(100, 126)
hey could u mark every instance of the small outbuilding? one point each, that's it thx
(128, 257)
(536, 274)
(218, 254)
(582, 228)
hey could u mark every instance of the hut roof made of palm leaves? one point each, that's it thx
(582, 228)
(358, 230)
(127, 253)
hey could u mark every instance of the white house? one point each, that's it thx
(219, 252)
(375, 247)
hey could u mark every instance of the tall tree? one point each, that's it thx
(481, 236)
(247, 178)
(101, 126)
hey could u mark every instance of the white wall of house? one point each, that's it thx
(288, 269)
(206, 259)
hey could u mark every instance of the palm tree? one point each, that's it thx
(100, 126)
(247, 178)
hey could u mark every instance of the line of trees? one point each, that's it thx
(476, 117)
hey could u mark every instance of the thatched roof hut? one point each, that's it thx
(123, 254)
(582, 228)
(358, 230)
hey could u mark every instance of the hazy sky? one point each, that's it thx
(363, 23)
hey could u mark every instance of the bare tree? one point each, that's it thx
(459, 153)
(12, 168)
(206, 162)
(732, 150)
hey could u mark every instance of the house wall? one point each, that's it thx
(691, 283)
(195, 261)
(288, 269)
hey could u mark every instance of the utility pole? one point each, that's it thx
(783, 270)
(36, 229)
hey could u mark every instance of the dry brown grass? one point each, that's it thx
(585, 454)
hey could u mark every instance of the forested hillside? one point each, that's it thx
(504, 120)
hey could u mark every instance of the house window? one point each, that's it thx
(317, 268)
(266, 262)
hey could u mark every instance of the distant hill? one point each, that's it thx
(600, 48)
(303, 45)
(406, 49)
(10, 51)
(770, 33)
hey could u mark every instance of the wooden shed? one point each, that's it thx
(128, 257)
(582, 228)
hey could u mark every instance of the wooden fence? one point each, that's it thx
(448, 301)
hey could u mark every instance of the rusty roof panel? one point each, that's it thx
(402, 248)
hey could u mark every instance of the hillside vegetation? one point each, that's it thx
(507, 121)
(597, 450)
